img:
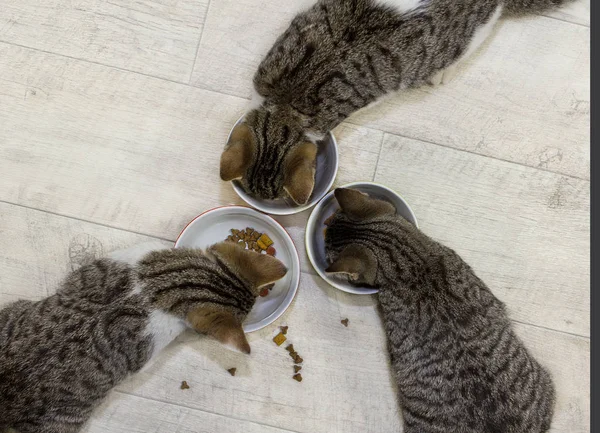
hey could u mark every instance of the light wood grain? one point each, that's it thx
(123, 149)
(524, 98)
(39, 249)
(238, 33)
(110, 146)
(154, 37)
(525, 231)
(123, 413)
(574, 11)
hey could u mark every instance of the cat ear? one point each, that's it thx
(357, 262)
(237, 156)
(259, 269)
(221, 325)
(360, 206)
(300, 172)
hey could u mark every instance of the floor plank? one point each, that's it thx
(154, 37)
(525, 98)
(227, 57)
(575, 12)
(38, 249)
(123, 413)
(525, 231)
(97, 143)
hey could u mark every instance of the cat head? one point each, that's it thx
(269, 154)
(350, 240)
(257, 269)
(213, 291)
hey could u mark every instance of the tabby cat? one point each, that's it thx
(459, 366)
(338, 57)
(60, 357)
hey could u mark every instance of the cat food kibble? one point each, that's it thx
(265, 290)
(232, 371)
(184, 385)
(279, 339)
(252, 240)
(345, 322)
(293, 354)
(264, 241)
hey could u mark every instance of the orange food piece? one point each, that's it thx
(265, 240)
(271, 251)
(264, 292)
(279, 339)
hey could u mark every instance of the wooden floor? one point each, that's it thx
(113, 114)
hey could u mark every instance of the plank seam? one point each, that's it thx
(379, 154)
(205, 411)
(199, 41)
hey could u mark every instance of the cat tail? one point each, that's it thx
(523, 7)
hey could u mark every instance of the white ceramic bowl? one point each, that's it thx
(327, 167)
(315, 239)
(214, 226)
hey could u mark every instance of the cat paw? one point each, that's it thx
(443, 76)
(436, 79)
(449, 74)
